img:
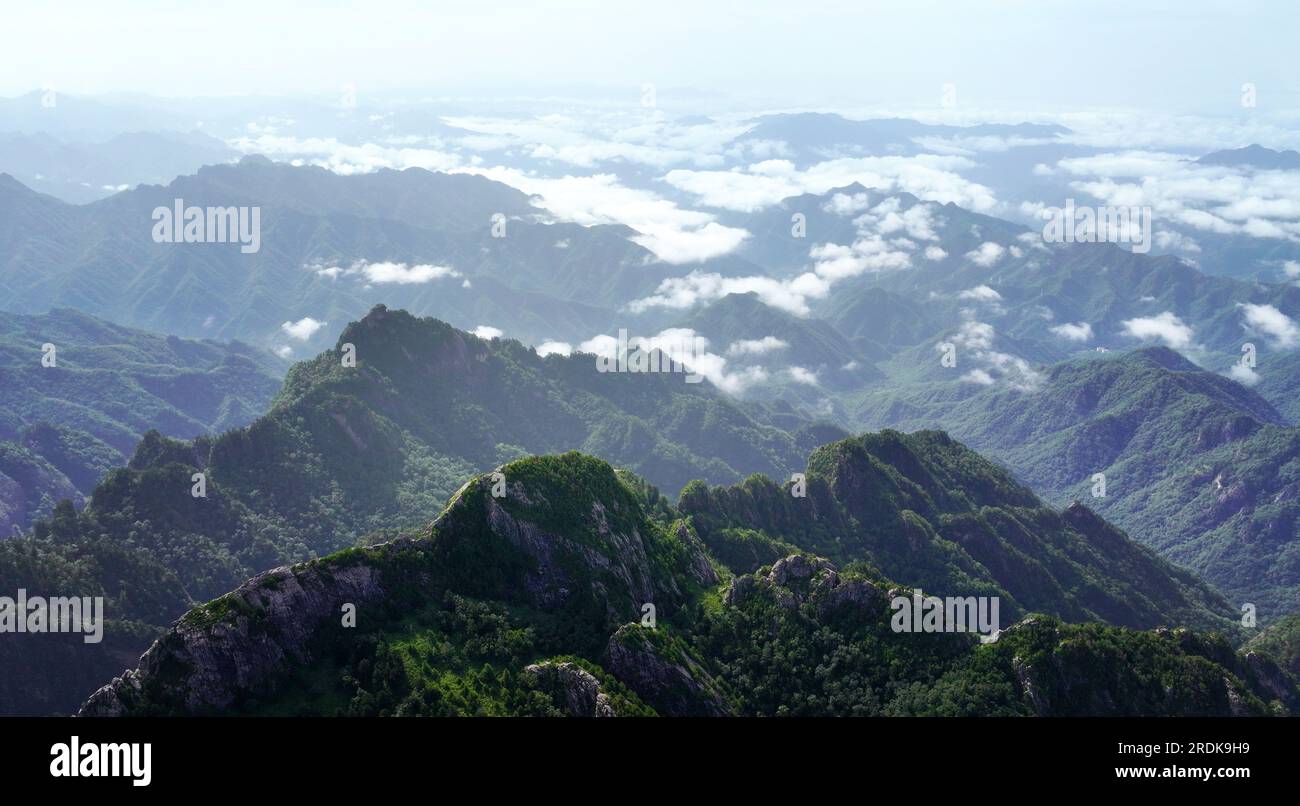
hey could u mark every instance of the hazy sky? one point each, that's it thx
(1192, 55)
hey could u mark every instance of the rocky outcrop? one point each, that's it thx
(244, 641)
(577, 688)
(604, 555)
(798, 578)
(699, 568)
(1271, 680)
(662, 673)
(600, 564)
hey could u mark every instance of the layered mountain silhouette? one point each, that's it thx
(1056, 379)
(351, 454)
(1255, 156)
(434, 237)
(1196, 466)
(80, 172)
(77, 393)
(574, 592)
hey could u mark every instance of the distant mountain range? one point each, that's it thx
(1069, 360)
(64, 425)
(80, 172)
(331, 246)
(348, 454)
(1197, 467)
(1255, 156)
(815, 136)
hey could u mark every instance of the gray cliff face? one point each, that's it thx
(609, 563)
(664, 676)
(797, 579)
(241, 642)
(576, 687)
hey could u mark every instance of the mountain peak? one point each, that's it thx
(1162, 356)
(1254, 156)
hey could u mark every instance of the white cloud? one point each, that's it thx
(935, 253)
(688, 348)
(386, 272)
(674, 234)
(684, 292)
(980, 293)
(843, 204)
(987, 254)
(487, 332)
(303, 329)
(975, 340)
(802, 375)
(587, 141)
(554, 347)
(1268, 321)
(834, 262)
(888, 218)
(831, 263)
(1080, 332)
(402, 274)
(1243, 375)
(757, 346)
(327, 152)
(1224, 200)
(1164, 327)
(1172, 241)
(763, 184)
(975, 335)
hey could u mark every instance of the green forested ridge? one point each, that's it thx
(1281, 640)
(347, 452)
(512, 604)
(62, 427)
(351, 452)
(1197, 467)
(923, 508)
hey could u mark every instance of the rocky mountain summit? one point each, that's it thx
(558, 586)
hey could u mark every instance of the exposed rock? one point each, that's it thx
(855, 594)
(1236, 703)
(662, 675)
(240, 646)
(700, 569)
(1270, 677)
(595, 558)
(740, 589)
(797, 566)
(243, 641)
(579, 688)
(1028, 685)
(799, 578)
